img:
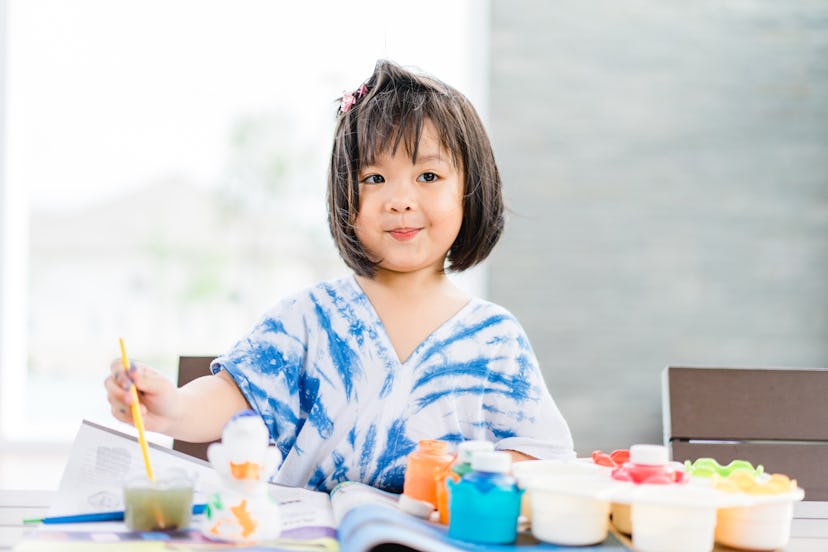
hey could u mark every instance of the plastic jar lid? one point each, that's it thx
(415, 507)
(468, 449)
(432, 446)
(493, 461)
(649, 455)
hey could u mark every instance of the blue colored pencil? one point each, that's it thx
(97, 516)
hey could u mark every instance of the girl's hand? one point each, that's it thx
(158, 396)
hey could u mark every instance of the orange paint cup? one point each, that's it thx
(425, 467)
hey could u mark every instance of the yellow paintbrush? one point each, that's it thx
(136, 416)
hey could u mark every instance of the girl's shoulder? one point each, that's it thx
(483, 312)
(479, 307)
(484, 328)
(344, 287)
(340, 291)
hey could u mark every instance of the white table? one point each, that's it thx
(809, 529)
(15, 506)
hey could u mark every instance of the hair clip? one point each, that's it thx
(350, 98)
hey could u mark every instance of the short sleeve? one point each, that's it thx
(525, 419)
(267, 365)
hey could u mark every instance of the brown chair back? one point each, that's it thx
(190, 368)
(777, 417)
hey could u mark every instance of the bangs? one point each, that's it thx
(393, 118)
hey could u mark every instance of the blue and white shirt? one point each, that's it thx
(321, 371)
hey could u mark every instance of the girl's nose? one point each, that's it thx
(399, 205)
(401, 198)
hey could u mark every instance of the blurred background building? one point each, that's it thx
(667, 169)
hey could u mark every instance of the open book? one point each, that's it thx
(353, 517)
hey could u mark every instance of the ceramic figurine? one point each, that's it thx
(242, 510)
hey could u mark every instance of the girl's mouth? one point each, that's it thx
(403, 234)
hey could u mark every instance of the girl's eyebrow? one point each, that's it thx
(431, 157)
(421, 160)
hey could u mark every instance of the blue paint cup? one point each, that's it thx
(485, 504)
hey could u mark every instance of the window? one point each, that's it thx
(163, 176)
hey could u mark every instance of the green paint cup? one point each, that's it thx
(165, 504)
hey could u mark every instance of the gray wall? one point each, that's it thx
(666, 164)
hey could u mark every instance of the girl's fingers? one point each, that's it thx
(120, 403)
(116, 366)
(153, 389)
(115, 393)
(147, 380)
(136, 374)
(122, 414)
(119, 375)
(120, 410)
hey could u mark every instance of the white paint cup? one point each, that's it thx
(759, 527)
(570, 510)
(527, 471)
(673, 528)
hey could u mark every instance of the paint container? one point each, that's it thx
(527, 471)
(570, 510)
(764, 524)
(165, 504)
(485, 503)
(650, 465)
(760, 527)
(673, 518)
(424, 467)
(673, 529)
(461, 466)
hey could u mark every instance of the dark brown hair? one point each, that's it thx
(390, 113)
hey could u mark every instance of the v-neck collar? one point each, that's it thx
(382, 333)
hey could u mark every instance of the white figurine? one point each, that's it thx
(242, 510)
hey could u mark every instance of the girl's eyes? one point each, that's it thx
(379, 179)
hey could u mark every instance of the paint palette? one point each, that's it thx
(662, 506)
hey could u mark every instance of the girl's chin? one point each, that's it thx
(409, 268)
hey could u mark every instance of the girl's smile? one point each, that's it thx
(403, 234)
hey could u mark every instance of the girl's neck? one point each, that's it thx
(408, 284)
(412, 305)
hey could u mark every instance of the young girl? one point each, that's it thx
(350, 374)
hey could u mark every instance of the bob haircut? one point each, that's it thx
(389, 111)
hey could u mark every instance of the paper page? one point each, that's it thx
(305, 513)
(349, 494)
(372, 526)
(101, 458)
(369, 527)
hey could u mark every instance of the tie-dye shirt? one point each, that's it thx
(321, 371)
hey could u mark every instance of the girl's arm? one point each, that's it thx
(519, 456)
(196, 412)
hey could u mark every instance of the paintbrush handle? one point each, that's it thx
(136, 415)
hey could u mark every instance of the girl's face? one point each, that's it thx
(410, 213)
